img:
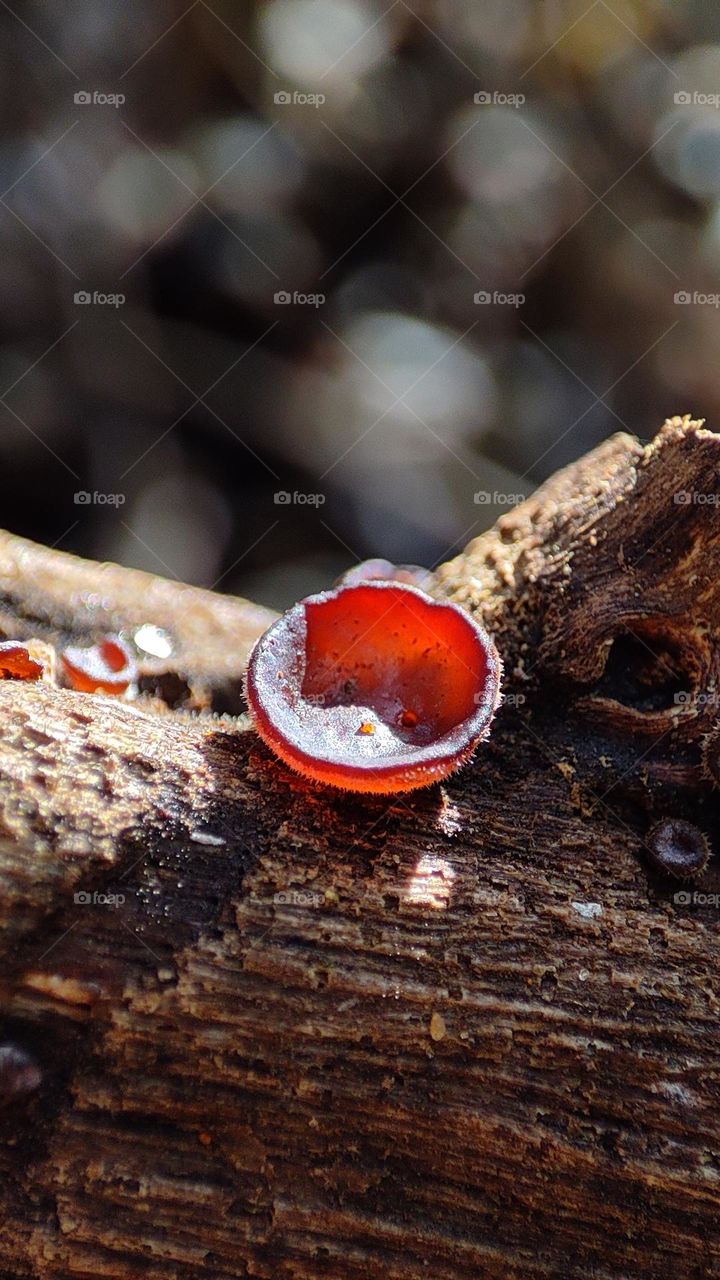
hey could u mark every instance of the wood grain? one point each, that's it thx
(464, 1034)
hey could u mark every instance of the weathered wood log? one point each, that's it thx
(253, 1027)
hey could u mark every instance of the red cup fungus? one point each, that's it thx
(16, 662)
(374, 687)
(106, 667)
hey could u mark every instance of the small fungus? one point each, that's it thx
(412, 575)
(374, 687)
(106, 667)
(154, 641)
(16, 662)
(677, 848)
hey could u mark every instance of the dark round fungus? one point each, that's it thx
(677, 848)
(374, 687)
(19, 1073)
(106, 667)
(16, 663)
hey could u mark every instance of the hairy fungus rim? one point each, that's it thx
(417, 768)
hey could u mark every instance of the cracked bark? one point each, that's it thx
(475, 1035)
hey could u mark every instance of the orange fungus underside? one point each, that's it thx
(106, 667)
(374, 687)
(16, 663)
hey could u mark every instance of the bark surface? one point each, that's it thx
(280, 1031)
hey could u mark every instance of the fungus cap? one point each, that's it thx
(374, 687)
(677, 848)
(105, 667)
(17, 663)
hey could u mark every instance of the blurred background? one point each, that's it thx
(288, 284)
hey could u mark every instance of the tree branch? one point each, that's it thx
(310, 1034)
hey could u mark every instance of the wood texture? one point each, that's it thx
(464, 1034)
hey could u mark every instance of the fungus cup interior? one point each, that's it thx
(374, 687)
(16, 662)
